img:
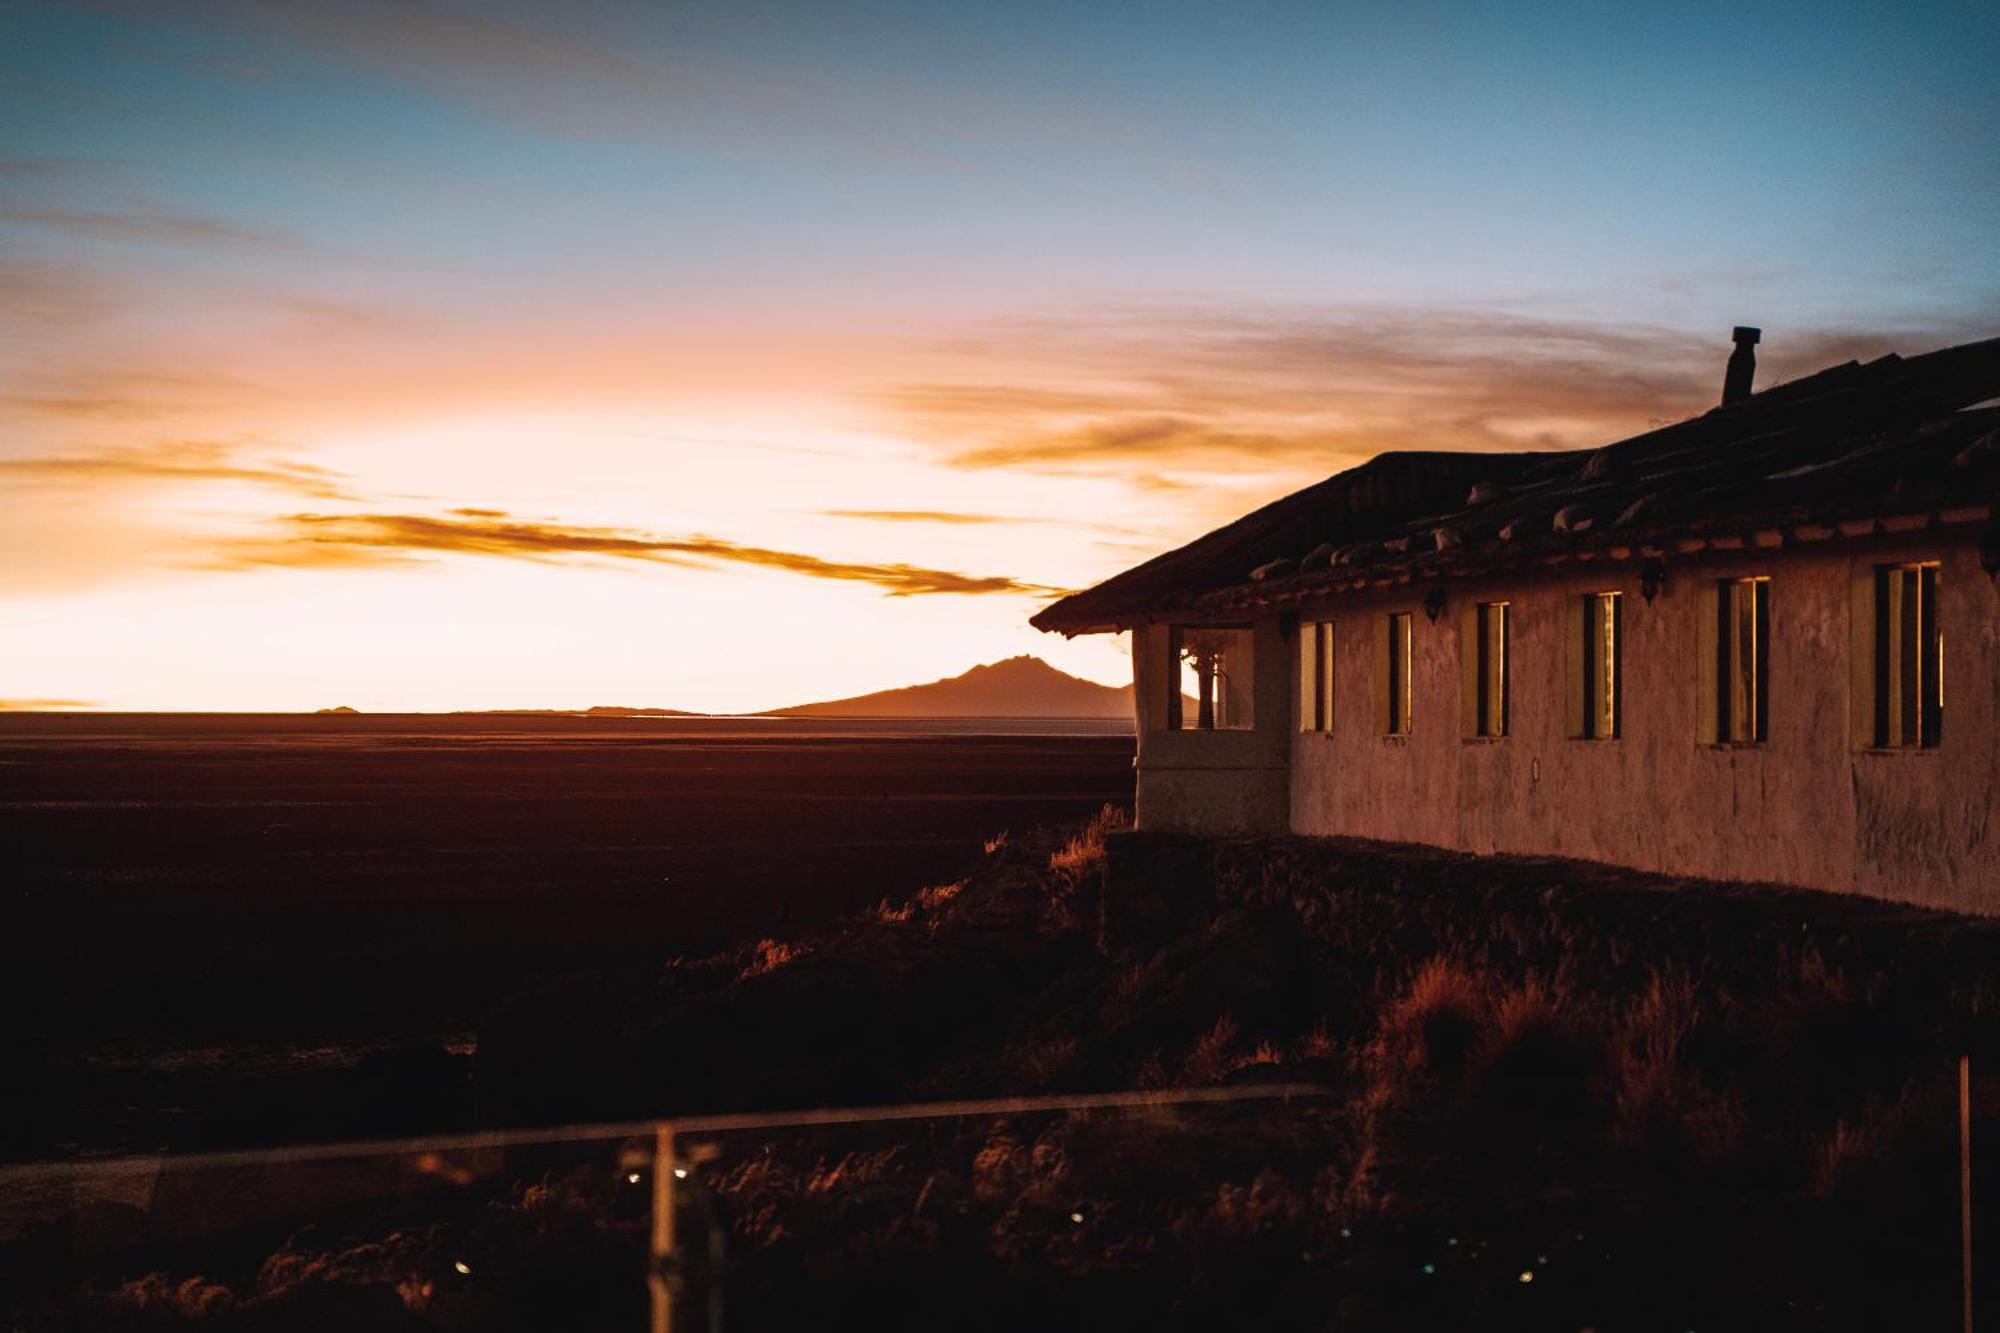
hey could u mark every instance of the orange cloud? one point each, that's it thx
(346, 540)
(43, 705)
(177, 461)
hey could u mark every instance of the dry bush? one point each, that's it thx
(1531, 1076)
(1241, 1215)
(1211, 1059)
(1658, 1099)
(1890, 1144)
(1263, 1053)
(1433, 1027)
(1041, 1063)
(854, 1170)
(1081, 859)
(162, 1298)
(924, 906)
(769, 955)
(1319, 1044)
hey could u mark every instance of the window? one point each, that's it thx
(1397, 694)
(1482, 666)
(1596, 675)
(1908, 676)
(1316, 675)
(1743, 661)
(1211, 671)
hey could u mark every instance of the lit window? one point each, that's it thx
(1743, 661)
(1316, 676)
(1596, 682)
(1398, 694)
(1483, 669)
(1909, 656)
(1211, 678)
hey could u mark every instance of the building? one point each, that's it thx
(1761, 644)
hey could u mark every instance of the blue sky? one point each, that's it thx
(1042, 287)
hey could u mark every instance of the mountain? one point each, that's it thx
(596, 710)
(1018, 687)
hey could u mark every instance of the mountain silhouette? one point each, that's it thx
(1017, 687)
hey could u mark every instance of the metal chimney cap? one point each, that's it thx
(1743, 333)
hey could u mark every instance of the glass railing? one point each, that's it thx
(948, 1214)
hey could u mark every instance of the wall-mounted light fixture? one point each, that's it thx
(1434, 602)
(1652, 580)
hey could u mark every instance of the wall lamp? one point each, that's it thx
(1652, 581)
(1434, 602)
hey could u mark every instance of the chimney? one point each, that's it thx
(1742, 365)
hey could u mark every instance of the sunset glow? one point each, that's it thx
(446, 356)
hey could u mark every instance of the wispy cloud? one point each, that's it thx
(92, 392)
(346, 540)
(922, 516)
(38, 294)
(1156, 396)
(178, 461)
(43, 705)
(146, 227)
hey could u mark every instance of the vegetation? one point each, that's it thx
(1558, 1096)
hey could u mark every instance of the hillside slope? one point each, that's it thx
(1017, 687)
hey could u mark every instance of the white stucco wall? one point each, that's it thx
(1807, 807)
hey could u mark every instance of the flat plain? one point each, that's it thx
(194, 898)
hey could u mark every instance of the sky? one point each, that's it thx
(423, 355)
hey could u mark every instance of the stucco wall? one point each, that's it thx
(1807, 807)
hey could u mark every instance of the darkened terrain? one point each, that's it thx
(1555, 1096)
(192, 903)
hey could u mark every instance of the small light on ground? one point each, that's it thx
(680, 1173)
(1527, 1275)
(1076, 1218)
(462, 1268)
(1430, 1270)
(631, 1177)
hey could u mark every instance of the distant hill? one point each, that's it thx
(597, 710)
(1018, 687)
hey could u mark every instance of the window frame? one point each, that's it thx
(1904, 694)
(1739, 703)
(1485, 670)
(1176, 712)
(1398, 694)
(1316, 677)
(1596, 632)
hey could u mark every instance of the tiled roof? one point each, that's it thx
(1897, 443)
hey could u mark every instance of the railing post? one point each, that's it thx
(1965, 1180)
(661, 1274)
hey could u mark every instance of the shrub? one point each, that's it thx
(1210, 1060)
(1659, 1100)
(1081, 859)
(1432, 1028)
(770, 955)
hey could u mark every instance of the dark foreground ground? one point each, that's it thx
(1549, 1096)
(230, 929)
